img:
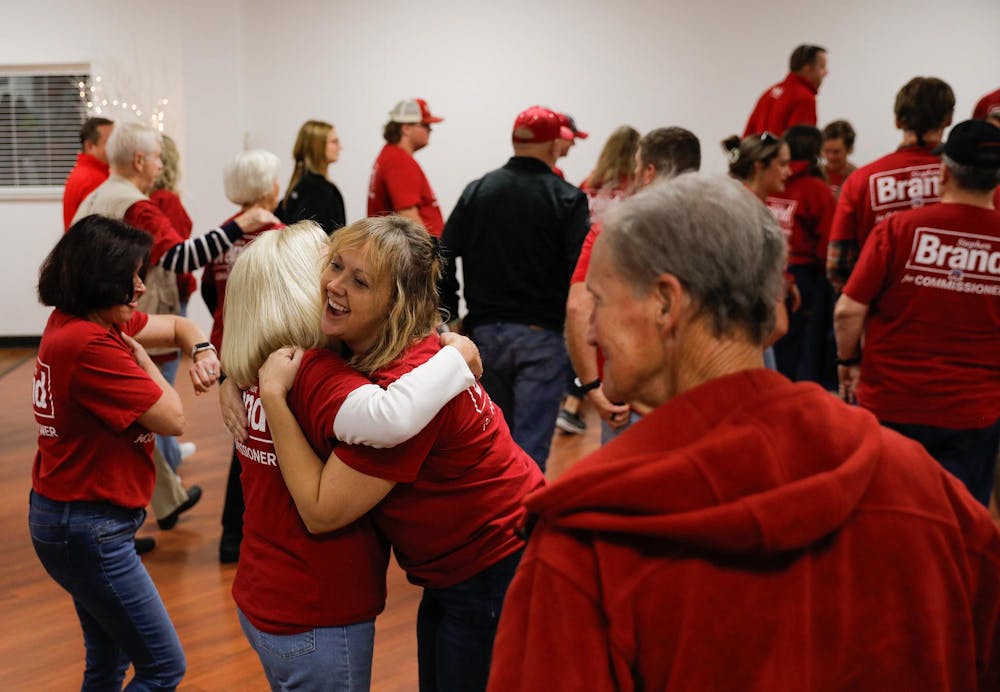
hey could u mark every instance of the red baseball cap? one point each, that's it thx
(570, 124)
(538, 124)
(410, 111)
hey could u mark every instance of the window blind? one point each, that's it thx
(40, 118)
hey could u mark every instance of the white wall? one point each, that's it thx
(186, 51)
(262, 68)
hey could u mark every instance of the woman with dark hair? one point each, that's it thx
(310, 194)
(98, 400)
(804, 212)
(761, 163)
(450, 498)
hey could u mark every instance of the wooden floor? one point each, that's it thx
(41, 647)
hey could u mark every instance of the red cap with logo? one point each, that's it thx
(409, 111)
(538, 124)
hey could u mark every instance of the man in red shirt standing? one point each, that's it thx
(91, 167)
(905, 179)
(926, 294)
(793, 100)
(398, 184)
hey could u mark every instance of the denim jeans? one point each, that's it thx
(338, 659)
(87, 548)
(456, 627)
(969, 455)
(169, 446)
(524, 371)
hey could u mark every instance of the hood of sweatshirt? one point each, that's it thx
(749, 463)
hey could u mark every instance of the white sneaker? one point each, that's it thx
(187, 449)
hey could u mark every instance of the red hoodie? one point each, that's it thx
(804, 212)
(754, 534)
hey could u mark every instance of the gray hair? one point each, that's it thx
(721, 243)
(972, 178)
(128, 139)
(250, 176)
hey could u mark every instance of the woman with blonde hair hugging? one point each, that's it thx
(306, 602)
(449, 499)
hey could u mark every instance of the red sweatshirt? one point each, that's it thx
(754, 534)
(87, 174)
(787, 103)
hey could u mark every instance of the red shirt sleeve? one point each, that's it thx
(108, 382)
(826, 205)
(401, 463)
(871, 275)
(403, 182)
(583, 261)
(148, 217)
(170, 204)
(323, 382)
(845, 217)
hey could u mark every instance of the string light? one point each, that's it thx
(95, 97)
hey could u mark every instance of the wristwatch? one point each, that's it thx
(584, 388)
(199, 347)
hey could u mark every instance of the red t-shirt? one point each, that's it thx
(398, 182)
(460, 481)
(986, 105)
(145, 215)
(836, 180)
(218, 270)
(787, 103)
(87, 393)
(88, 173)
(804, 212)
(907, 178)
(931, 279)
(170, 204)
(289, 580)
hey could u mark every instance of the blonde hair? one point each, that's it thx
(273, 299)
(171, 172)
(309, 151)
(250, 176)
(617, 159)
(402, 257)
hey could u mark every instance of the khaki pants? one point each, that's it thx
(168, 493)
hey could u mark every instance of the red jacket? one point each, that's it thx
(754, 534)
(787, 103)
(88, 173)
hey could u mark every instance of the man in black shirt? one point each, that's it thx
(518, 230)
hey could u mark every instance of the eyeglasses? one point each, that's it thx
(769, 138)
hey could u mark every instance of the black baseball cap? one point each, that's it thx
(973, 143)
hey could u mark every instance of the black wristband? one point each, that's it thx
(849, 361)
(584, 388)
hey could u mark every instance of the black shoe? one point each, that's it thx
(170, 521)
(144, 545)
(570, 423)
(229, 548)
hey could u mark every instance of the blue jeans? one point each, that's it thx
(969, 455)
(87, 548)
(169, 446)
(608, 433)
(456, 627)
(524, 371)
(326, 658)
